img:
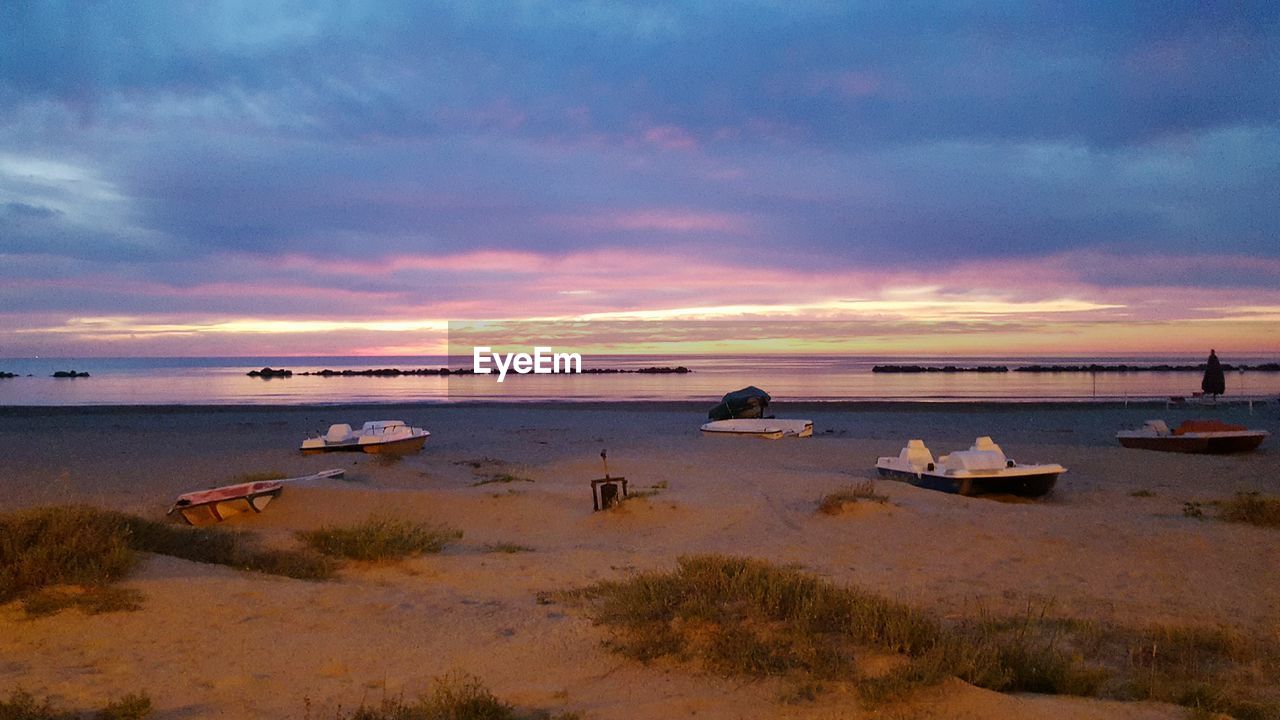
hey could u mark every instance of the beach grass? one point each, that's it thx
(747, 617)
(91, 600)
(223, 547)
(381, 538)
(453, 697)
(833, 503)
(133, 706)
(1251, 508)
(22, 705)
(67, 556)
(507, 548)
(73, 545)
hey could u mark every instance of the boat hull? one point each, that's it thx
(405, 445)
(771, 428)
(210, 507)
(1222, 445)
(1030, 485)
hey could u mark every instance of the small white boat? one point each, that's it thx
(376, 436)
(980, 470)
(771, 428)
(1208, 437)
(206, 507)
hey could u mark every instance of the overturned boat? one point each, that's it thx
(772, 428)
(375, 436)
(206, 507)
(1209, 437)
(983, 469)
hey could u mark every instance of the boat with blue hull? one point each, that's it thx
(983, 469)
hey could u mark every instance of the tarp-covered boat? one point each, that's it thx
(1210, 437)
(749, 402)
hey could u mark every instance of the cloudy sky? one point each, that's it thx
(192, 178)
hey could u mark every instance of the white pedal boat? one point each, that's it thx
(982, 469)
(375, 436)
(206, 507)
(771, 428)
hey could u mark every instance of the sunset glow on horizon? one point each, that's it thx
(227, 179)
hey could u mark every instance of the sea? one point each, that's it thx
(225, 380)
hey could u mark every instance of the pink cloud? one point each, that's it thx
(588, 281)
(1052, 291)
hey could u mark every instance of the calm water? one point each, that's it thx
(165, 381)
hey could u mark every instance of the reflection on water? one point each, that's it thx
(117, 381)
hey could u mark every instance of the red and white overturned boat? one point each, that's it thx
(206, 507)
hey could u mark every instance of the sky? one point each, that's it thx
(247, 178)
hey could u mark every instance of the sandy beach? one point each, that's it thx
(215, 642)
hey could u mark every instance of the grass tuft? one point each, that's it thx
(381, 539)
(60, 546)
(834, 503)
(92, 600)
(1144, 493)
(506, 547)
(454, 697)
(222, 547)
(22, 705)
(1251, 508)
(44, 549)
(741, 616)
(134, 706)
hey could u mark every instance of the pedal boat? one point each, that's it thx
(983, 469)
(1208, 437)
(376, 436)
(771, 428)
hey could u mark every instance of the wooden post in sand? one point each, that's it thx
(607, 491)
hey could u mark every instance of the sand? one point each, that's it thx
(214, 642)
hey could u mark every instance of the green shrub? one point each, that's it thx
(833, 503)
(1251, 508)
(455, 697)
(381, 539)
(741, 616)
(60, 545)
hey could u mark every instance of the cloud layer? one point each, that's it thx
(226, 168)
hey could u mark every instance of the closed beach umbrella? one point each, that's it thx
(1213, 383)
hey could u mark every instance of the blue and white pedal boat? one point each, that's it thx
(983, 469)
